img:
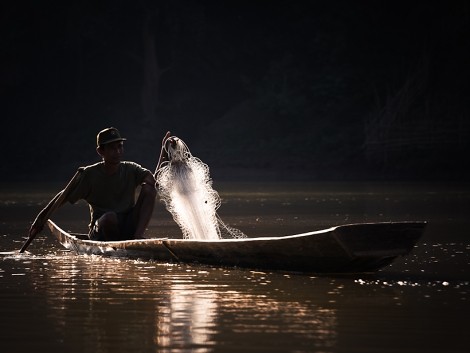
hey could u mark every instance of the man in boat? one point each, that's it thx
(109, 188)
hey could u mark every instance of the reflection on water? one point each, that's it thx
(316, 326)
(89, 303)
(54, 301)
(127, 304)
(189, 318)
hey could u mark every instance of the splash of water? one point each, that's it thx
(185, 187)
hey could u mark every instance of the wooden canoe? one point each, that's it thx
(351, 248)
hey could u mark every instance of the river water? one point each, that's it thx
(54, 301)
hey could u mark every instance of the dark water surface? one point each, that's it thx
(54, 301)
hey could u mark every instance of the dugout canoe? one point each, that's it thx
(350, 248)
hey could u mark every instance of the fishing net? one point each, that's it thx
(185, 187)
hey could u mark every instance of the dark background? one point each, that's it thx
(265, 90)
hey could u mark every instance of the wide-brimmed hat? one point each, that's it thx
(108, 135)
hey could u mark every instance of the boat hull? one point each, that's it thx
(364, 247)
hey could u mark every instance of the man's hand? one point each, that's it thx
(164, 151)
(167, 135)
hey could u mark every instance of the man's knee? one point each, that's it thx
(109, 219)
(105, 227)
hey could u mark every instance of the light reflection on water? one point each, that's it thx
(56, 301)
(111, 301)
(122, 304)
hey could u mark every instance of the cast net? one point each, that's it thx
(185, 187)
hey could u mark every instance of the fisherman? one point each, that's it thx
(109, 188)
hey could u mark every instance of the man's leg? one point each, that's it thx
(143, 209)
(107, 227)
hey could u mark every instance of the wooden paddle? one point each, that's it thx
(44, 215)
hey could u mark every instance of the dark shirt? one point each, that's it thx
(106, 193)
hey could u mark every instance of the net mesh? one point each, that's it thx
(185, 187)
